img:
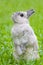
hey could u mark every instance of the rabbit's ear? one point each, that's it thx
(30, 12)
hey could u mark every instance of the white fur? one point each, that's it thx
(25, 40)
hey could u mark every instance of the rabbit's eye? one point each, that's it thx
(21, 15)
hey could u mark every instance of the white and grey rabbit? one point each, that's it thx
(25, 40)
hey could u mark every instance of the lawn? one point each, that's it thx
(7, 7)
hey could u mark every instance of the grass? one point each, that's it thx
(7, 7)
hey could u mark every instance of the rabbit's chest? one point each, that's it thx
(19, 30)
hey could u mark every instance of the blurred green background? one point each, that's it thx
(7, 7)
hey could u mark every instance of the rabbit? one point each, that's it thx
(24, 38)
